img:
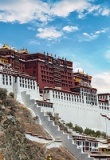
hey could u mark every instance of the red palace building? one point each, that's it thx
(49, 71)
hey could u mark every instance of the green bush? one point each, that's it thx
(3, 93)
(70, 125)
(98, 133)
(11, 94)
(103, 134)
(89, 132)
(78, 129)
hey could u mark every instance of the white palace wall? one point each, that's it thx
(8, 86)
(79, 113)
(18, 84)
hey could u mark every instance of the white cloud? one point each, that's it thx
(102, 82)
(92, 36)
(49, 33)
(104, 11)
(89, 37)
(104, 30)
(23, 11)
(64, 8)
(70, 28)
(34, 42)
(31, 28)
(92, 9)
(83, 7)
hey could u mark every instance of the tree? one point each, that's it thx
(103, 134)
(78, 128)
(87, 131)
(70, 125)
(98, 133)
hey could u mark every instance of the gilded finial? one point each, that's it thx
(6, 46)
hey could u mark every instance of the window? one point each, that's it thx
(15, 79)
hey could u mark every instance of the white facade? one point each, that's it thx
(17, 83)
(86, 144)
(74, 108)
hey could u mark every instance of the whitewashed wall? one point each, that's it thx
(6, 86)
(82, 114)
(12, 84)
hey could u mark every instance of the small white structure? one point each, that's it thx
(87, 144)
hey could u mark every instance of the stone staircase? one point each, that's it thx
(54, 130)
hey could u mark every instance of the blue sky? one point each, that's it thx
(78, 30)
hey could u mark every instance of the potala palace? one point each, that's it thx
(54, 87)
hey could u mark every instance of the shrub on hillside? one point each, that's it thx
(78, 129)
(9, 102)
(97, 134)
(11, 94)
(3, 93)
(103, 134)
(88, 131)
(70, 125)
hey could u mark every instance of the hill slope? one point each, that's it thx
(15, 122)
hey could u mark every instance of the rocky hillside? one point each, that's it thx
(15, 122)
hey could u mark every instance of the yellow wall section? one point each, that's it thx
(3, 60)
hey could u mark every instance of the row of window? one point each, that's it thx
(7, 80)
(45, 105)
(27, 86)
(66, 77)
(91, 102)
(87, 143)
(89, 94)
(103, 104)
(103, 96)
(91, 98)
(74, 99)
(61, 93)
(68, 98)
(6, 83)
(47, 77)
(47, 81)
(46, 68)
(68, 82)
(4, 61)
(88, 90)
(105, 108)
(25, 83)
(52, 73)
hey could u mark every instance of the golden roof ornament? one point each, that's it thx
(24, 51)
(6, 46)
